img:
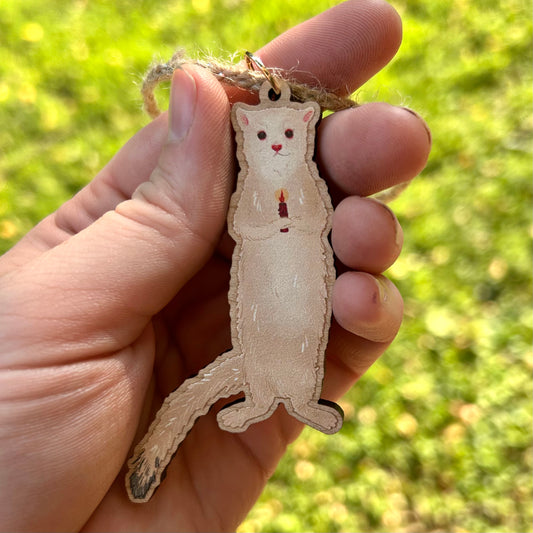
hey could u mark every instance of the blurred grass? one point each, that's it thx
(438, 433)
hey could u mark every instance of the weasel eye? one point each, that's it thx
(289, 133)
(262, 135)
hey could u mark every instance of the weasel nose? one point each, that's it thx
(276, 147)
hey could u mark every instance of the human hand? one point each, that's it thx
(109, 303)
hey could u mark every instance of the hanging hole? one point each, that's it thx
(273, 95)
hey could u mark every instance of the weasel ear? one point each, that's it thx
(309, 113)
(242, 119)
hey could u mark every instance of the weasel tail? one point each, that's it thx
(222, 378)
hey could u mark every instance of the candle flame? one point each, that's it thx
(282, 195)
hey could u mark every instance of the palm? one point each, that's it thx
(214, 471)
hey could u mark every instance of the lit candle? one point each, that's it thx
(282, 195)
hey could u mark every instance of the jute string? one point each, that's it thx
(237, 76)
(250, 80)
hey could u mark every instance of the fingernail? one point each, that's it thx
(182, 105)
(426, 127)
(398, 232)
(383, 288)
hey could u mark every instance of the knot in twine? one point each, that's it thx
(250, 80)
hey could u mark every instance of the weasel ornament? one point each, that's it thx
(282, 275)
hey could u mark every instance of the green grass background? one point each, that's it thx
(438, 433)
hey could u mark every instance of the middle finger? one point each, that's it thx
(370, 148)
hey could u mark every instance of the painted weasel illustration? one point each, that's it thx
(281, 278)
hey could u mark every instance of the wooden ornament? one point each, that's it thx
(282, 275)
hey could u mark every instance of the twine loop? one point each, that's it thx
(237, 76)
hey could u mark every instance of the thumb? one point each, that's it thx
(110, 278)
(180, 212)
(191, 181)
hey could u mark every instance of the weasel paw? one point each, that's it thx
(237, 418)
(324, 416)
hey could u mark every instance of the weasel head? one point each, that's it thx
(275, 138)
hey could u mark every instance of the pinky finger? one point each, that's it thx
(368, 306)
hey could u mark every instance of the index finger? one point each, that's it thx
(339, 49)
